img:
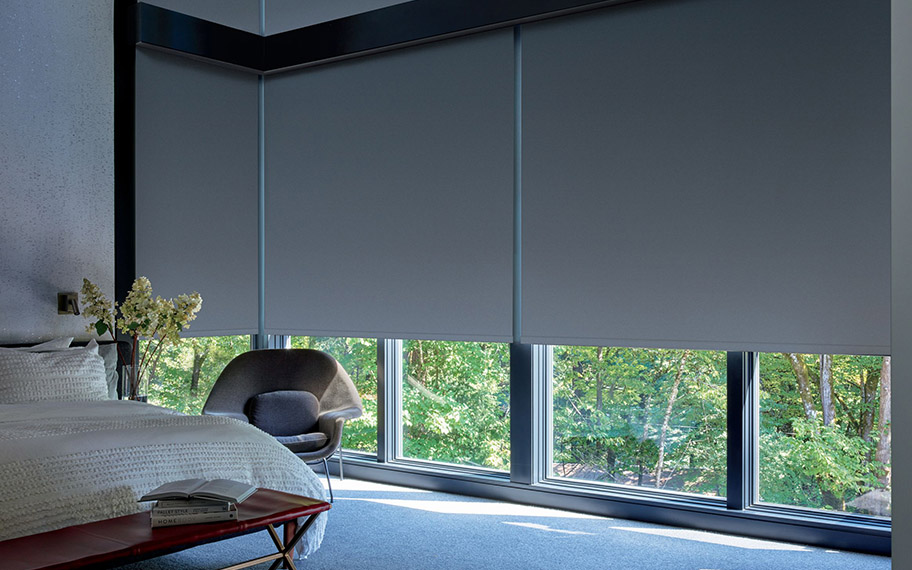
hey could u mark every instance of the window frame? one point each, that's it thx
(531, 441)
(531, 432)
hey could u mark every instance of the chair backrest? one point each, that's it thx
(260, 371)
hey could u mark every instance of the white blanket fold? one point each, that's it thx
(67, 463)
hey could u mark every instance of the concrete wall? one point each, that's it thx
(56, 160)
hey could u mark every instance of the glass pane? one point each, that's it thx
(825, 432)
(456, 402)
(640, 417)
(358, 356)
(183, 375)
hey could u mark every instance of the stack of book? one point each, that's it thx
(195, 501)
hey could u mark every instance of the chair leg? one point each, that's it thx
(341, 474)
(328, 483)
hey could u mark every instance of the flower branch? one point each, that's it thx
(141, 317)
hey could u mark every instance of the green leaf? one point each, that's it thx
(101, 327)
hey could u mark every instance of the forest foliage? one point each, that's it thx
(647, 417)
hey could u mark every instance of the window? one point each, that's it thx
(183, 375)
(456, 402)
(640, 417)
(358, 356)
(825, 432)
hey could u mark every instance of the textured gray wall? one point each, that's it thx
(56, 160)
(902, 280)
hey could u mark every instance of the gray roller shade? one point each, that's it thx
(389, 194)
(709, 174)
(196, 188)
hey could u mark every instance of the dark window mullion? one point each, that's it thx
(523, 452)
(743, 423)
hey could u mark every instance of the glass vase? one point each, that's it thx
(133, 388)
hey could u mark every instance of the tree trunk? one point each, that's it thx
(640, 451)
(828, 403)
(599, 383)
(671, 400)
(882, 454)
(415, 359)
(804, 384)
(869, 386)
(198, 359)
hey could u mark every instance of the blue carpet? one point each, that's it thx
(383, 527)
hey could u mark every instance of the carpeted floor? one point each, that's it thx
(382, 527)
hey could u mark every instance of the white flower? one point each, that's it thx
(141, 316)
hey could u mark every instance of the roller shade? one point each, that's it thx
(196, 188)
(389, 197)
(709, 174)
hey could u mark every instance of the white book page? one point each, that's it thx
(225, 489)
(175, 489)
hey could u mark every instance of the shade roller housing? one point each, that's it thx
(196, 188)
(389, 197)
(709, 174)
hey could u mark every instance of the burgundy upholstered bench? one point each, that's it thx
(111, 542)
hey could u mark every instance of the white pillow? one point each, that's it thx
(109, 353)
(63, 375)
(48, 346)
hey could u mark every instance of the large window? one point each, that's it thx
(184, 373)
(825, 432)
(640, 417)
(358, 356)
(456, 402)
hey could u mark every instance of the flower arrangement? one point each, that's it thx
(157, 320)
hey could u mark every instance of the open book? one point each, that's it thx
(215, 490)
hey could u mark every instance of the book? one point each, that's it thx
(217, 489)
(176, 520)
(171, 511)
(193, 503)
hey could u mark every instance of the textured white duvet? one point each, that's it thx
(66, 463)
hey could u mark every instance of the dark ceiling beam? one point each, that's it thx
(400, 25)
(407, 24)
(196, 38)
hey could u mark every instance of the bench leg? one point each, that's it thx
(290, 528)
(285, 554)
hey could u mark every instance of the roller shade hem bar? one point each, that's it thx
(712, 345)
(194, 333)
(392, 335)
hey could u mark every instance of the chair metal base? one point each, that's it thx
(325, 470)
(328, 483)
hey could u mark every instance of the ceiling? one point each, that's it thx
(281, 15)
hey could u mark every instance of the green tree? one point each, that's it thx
(185, 373)
(358, 356)
(456, 402)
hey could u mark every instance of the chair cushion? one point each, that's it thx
(284, 412)
(304, 442)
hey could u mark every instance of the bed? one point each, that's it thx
(70, 454)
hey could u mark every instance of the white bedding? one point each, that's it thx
(66, 463)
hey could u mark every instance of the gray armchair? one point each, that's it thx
(302, 397)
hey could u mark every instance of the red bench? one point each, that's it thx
(131, 538)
